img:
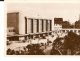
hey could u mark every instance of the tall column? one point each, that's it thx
(38, 25)
(35, 25)
(46, 25)
(50, 25)
(25, 25)
(32, 26)
(42, 25)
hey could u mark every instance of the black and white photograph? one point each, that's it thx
(43, 29)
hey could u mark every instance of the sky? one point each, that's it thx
(68, 11)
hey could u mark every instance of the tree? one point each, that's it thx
(34, 49)
(71, 44)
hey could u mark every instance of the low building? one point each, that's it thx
(77, 24)
(58, 21)
(58, 24)
(66, 24)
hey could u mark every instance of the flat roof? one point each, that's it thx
(37, 18)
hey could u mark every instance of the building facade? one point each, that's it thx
(33, 27)
(65, 26)
(37, 27)
(13, 22)
(58, 24)
(77, 24)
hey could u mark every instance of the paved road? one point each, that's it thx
(17, 45)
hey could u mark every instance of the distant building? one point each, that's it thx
(58, 21)
(59, 24)
(77, 23)
(66, 24)
(57, 27)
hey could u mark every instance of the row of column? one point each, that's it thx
(37, 25)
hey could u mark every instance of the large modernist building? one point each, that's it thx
(77, 23)
(38, 27)
(33, 27)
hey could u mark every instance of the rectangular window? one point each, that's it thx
(29, 26)
(35, 25)
(40, 25)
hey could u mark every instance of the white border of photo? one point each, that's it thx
(28, 57)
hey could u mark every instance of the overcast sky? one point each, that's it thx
(67, 11)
